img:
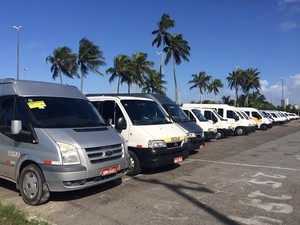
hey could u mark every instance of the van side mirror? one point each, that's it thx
(16, 126)
(236, 118)
(215, 120)
(121, 124)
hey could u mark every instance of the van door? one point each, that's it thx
(8, 154)
(111, 112)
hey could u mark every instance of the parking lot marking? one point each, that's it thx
(269, 207)
(274, 184)
(259, 194)
(256, 220)
(272, 176)
(246, 165)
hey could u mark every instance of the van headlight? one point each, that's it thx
(157, 144)
(69, 154)
(191, 135)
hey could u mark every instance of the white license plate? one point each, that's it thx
(109, 170)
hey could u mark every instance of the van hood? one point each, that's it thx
(85, 137)
(166, 132)
(190, 127)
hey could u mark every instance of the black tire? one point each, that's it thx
(33, 187)
(239, 131)
(134, 165)
(220, 134)
(263, 127)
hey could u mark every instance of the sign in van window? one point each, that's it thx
(36, 104)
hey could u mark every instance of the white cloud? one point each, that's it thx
(288, 25)
(290, 87)
(285, 2)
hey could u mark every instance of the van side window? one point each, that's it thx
(110, 111)
(208, 115)
(10, 110)
(256, 115)
(221, 112)
(230, 114)
(247, 112)
(190, 115)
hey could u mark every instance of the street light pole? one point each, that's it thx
(18, 51)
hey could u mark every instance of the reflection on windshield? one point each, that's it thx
(176, 113)
(143, 112)
(51, 112)
(199, 115)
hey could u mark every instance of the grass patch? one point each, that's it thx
(11, 215)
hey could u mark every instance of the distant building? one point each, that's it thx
(285, 102)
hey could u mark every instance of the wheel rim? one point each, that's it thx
(219, 135)
(131, 165)
(30, 185)
(239, 131)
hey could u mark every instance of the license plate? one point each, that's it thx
(178, 159)
(109, 170)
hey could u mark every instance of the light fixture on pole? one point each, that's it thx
(18, 51)
(282, 98)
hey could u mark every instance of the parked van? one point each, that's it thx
(196, 134)
(224, 128)
(210, 130)
(262, 122)
(52, 139)
(242, 126)
(152, 139)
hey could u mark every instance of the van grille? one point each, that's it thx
(104, 153)
(174, 144)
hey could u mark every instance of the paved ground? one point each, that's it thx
(251, 179)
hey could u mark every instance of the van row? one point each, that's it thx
(55, 139)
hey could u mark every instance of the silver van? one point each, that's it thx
(52, 139)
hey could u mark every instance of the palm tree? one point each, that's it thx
(200, 81)
(214, 87)
(178, 48)
(141, 67)
(162, 36)
(123, 68)
(227, 100)
(90, 58)
(235, 80)
(63, 61)
(251, 81)
(154, 83)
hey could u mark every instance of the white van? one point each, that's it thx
(152, 139)
(274, 114)
(224, 128)
(242, 126)
(262, 122)
(52, 139)
(209, 128)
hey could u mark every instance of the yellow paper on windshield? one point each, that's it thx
(36, 104)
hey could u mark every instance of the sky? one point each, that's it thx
(223, 35)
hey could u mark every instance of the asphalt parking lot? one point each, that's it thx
(251, 179)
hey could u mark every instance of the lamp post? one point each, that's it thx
(282, 99)
(18, 51)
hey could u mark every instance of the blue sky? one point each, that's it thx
(222, 34)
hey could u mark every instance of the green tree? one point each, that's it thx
(227, 100)
(122, 69)
(154, 83)
(200, 81)
(235, 81)
(90, 58)
(251, 81)
(142, 67)
(178, 48)
(63, 62)
(214, 86)
(162, 36)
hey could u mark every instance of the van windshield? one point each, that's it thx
(143, 112)
(53, 112)
(199, 115)
(176, 113)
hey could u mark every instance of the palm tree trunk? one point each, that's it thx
(200, 95)
(175, 81)
(236, 96)
(60, 77)
(81, 81)
(118, 87)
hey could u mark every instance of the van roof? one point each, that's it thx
(29, 88)
(118, 96)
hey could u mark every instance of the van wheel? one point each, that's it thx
(134, 165)
(220, 134)
(239, 131)
(263, 127)
(33, 187)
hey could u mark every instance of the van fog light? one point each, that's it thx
(74, 183)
